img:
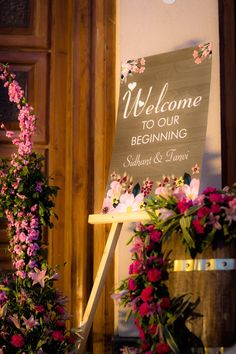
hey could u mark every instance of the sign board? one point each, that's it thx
(162, 115)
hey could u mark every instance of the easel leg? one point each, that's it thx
(99, 283)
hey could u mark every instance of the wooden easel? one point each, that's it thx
(117, 220)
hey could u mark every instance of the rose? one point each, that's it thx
(132, 284)
(146, 294)
(155, 235)
(143, 310)
(153, 329)
(17, 341)
(165, 302)
(153, 275)
(198, 226)
(58, 336)
(163, 348)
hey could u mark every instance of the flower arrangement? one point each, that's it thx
(200, 221)
(132, 66)
(32, 311)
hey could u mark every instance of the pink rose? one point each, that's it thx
(153, 329)
(143, 310)
(134, 267)
(165, 302)
(17, 341)
(153, 275)
(146, 294)
(216, 197)
(155, 235)
(58, 336)
(215, 208)
(198, 226)
(203, 212)
(39, 308)
(163, 348)
(132, 284)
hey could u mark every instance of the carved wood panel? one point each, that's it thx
(32, 72)
(24, 23)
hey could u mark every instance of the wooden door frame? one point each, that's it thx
(227, 31)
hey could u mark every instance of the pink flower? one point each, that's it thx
(153, 275)
(183, 205)
(107, 206)
(32, 249)
(39, 308)
(137, 247)
(115, 191)
(209, 190)
(118, 296)
(146, 294)
(192, 190)
(203, 211)
(231, 211)
(135, 267)
(155, 235)
(153, 329)
(164, 214)
(163, 191)
(9, 134)
(60, 310)
(3, 297)
(216, 197)
(15, 92)
(30, 323)
(198, 226)
(39, 276)
(17, 341)
(214, 221)
(129, 203)
(165, 302)
(163, 348)
(215, 208)
(58, 336)
(132, 284)
(144, 309)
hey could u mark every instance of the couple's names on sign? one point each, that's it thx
(162, 116)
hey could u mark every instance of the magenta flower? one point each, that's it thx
(147, 294)
(17, 340)
(153, 275)
(132, 284)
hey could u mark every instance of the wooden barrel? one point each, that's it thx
(212, 278)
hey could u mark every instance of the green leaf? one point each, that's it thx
(136, 189)
(170, 340)
(128, 314)
(185, 223)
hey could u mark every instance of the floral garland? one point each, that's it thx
(32, 311)
(200, 221)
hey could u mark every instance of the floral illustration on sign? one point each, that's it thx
(33, 316)
(130, 67)
(202, 52)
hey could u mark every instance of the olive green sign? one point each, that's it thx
(162, 115)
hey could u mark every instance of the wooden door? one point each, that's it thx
(64, 55)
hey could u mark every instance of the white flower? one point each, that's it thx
(129, 203)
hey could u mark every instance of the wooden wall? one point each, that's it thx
(82, 117)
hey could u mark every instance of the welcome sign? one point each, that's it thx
(162, 116)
